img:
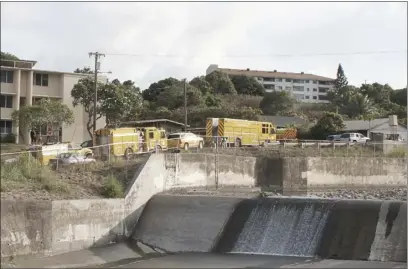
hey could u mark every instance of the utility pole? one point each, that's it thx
(185, 105)
(97, 56)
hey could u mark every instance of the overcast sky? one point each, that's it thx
(60, 35)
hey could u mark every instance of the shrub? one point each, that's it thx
(112, 188)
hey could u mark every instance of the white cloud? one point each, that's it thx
(60, 35)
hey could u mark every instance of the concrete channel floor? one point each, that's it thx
(211, 260)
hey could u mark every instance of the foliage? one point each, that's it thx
(202, 84)
(29, 170)
(112, 188)
(173, 97)
(221, 83)
(156, 88)
(8, 56)
(276, 103)
(247, 85)
(45, 112)
(399, 97)
(85, 70)
(341, 79)
(359, 105)
(330, 123)
(115, 101)
(378, 93)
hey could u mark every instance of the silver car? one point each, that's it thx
(70, 158)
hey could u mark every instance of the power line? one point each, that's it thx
(262, 55)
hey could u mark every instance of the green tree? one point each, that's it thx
(276, 103)
(221, 83)
(156, 88)
(329, 123)
(399, 97)
(247, 85)
(173, 97)
(341, 79)
(85, 70)
(359, 106)
(378, 93)
(8, 56)
(115, 101)
(202, 84)
(45, 112)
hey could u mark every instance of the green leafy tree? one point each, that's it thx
(399, 97)
(45, 112)
(221, 83)
(359, 106)
(329, 123)
(173, 97)
(115, 101)
(247, 85)
(85, 70)
(276, 103)
(156, 88)
(203, 85)
(8, 56)
(378, 93)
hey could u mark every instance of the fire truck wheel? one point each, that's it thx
(128, 153)
(186, 146)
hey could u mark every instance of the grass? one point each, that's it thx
(27, 178)
(112, 188)
(29, 171)
(398, 152)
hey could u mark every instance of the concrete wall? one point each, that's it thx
(328, 228)
(26, 227)
(60, 226)
(337, 172)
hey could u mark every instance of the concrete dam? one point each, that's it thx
(152, 229)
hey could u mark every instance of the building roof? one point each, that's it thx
(18, 63)
(282, 121)
(356, 125)
(273, 74)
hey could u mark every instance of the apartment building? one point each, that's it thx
(21, 85)
(304, 87)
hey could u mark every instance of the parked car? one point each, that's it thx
(70, 158)
(354, 137)
(333, 137)
(87, 144)
(185, 141)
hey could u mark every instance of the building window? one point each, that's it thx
(6, 127)
(323, 97)
(6, 101)
(307, 81)
(288, 88)
(269, 86)
(7, 76)
(278, 80)
(314, 89)
(314, 97)
(280, 88)
(307, 97)
(269, 79)
(314, 81)
(288, 80)
(307, 89)
(323, 89)
(298, 88)
(41, 80)
(300, 81)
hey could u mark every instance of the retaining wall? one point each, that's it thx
(50, 227)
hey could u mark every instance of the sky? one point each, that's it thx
(146, 42)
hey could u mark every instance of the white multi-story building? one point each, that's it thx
(21, 85)
(304, 87)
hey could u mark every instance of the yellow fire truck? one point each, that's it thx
(240, 132)
(126, 141)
